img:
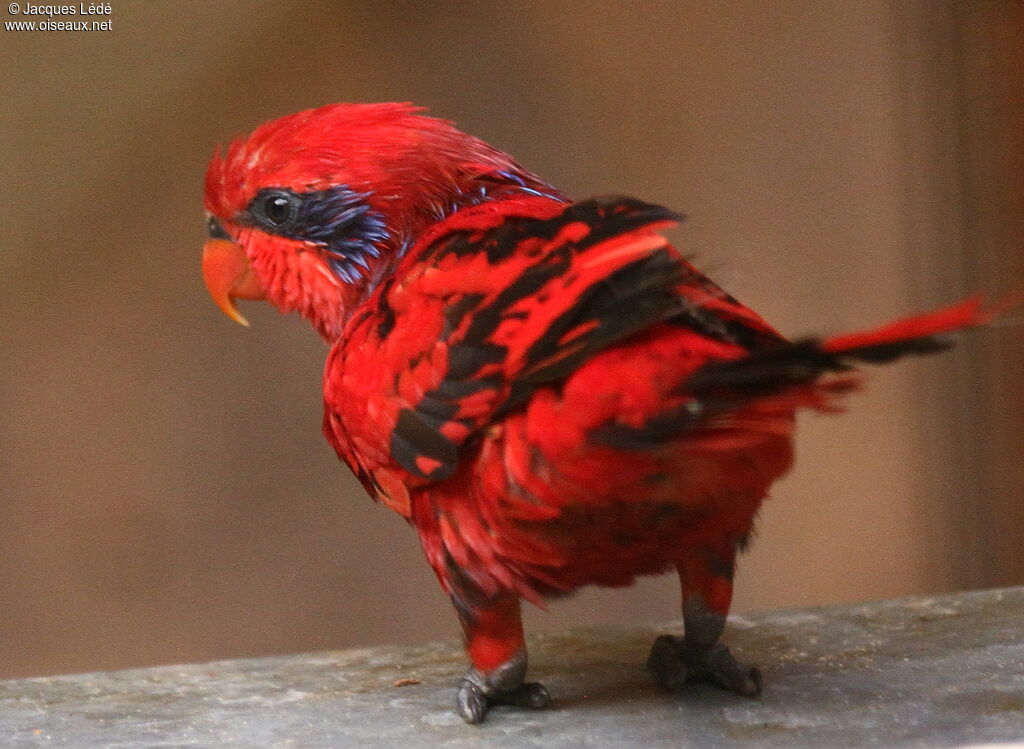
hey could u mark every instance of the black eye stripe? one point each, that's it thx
(215, 230)
(339, 219)
(325, 217)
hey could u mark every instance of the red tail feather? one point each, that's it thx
(966, 314)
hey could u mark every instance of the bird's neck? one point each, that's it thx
(424, 220)
(514, 183)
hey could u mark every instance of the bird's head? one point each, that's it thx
(310, 211)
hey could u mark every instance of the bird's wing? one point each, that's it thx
(483, 314)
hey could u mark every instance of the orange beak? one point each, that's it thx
(228, 277)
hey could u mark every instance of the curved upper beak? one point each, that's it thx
(228, 277)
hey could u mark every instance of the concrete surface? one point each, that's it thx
(943, 671)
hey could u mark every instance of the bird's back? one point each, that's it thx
(504, 391)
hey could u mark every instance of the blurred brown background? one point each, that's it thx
(166, 494)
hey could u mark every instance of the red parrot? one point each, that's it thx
(547, 390)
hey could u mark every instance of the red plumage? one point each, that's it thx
(548, 391)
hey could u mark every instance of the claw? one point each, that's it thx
(472, 702)
(723, 670)
(531, 695)
(666, 663)
(675, 663)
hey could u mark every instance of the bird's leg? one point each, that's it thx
(497, 649)
(699, 655)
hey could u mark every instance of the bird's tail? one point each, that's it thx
(757, 393)
(801, 362)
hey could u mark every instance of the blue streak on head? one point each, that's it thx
(496, 185)
(523, 187)
(341, 221)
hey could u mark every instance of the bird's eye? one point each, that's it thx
(275, 209)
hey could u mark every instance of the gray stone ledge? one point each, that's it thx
(941, 671)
